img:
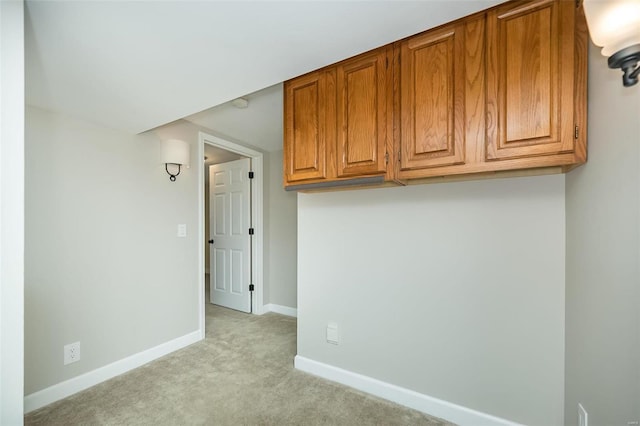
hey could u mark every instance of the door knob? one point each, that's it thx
(210, 241)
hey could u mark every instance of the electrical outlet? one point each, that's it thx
(332, 333)
(583, 417)
(71, 353)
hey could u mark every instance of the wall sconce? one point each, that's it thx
(614, 25)
(175, 154)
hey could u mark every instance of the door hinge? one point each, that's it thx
(386, 157)
(251, 287)
(250, 231)
(576, 132)
(250, 175)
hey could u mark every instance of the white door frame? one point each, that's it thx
(258, 223)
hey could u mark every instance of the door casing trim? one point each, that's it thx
(257, 188)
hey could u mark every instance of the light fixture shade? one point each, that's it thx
(175, 151)
(613, 24)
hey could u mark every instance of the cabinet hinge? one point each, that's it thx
(250, 231)
(250, 175)
(386, 157)
(386, 63)
(576, 132)
(251, 287)
(399, 155)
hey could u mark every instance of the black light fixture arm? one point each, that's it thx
(172, 177)
(627, 59)
(631, 76)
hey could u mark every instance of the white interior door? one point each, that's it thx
(229, 211)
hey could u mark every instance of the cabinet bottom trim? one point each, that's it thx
(373, 180)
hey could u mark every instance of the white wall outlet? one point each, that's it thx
(583, 417)
(332, 333)
(71, 353)
(182, 230)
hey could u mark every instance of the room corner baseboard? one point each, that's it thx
(279, 309)
(69, 387)
(435, 407)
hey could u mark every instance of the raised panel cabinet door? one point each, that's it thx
(305, 128)
(363, 87)
(530, 79)
(432, 82)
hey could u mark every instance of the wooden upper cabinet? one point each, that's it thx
(530, 79)
(432, 81)
(364, 96)
(501, 90)
(306, 102)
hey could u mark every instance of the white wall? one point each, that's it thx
(452, 290)
(187, 131)
(11, 210)
(103, 263)
(281, 237)
(280, 215)
(603, 257)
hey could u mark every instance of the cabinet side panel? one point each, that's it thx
(580, 94)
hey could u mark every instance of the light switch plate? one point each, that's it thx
(182, 230)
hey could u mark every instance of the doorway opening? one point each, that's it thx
(256, 207)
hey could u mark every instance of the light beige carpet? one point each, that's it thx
(241, 374)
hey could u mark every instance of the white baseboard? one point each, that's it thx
(279, 309)
(69, 387)
(435, 407)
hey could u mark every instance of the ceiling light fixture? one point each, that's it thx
(614, 25)
(175, 153)
(240, 103)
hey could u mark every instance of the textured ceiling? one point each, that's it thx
(136, 65)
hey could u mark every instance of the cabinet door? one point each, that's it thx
(432, 83)
(305, 136)
(363, 95)
(530, 78)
